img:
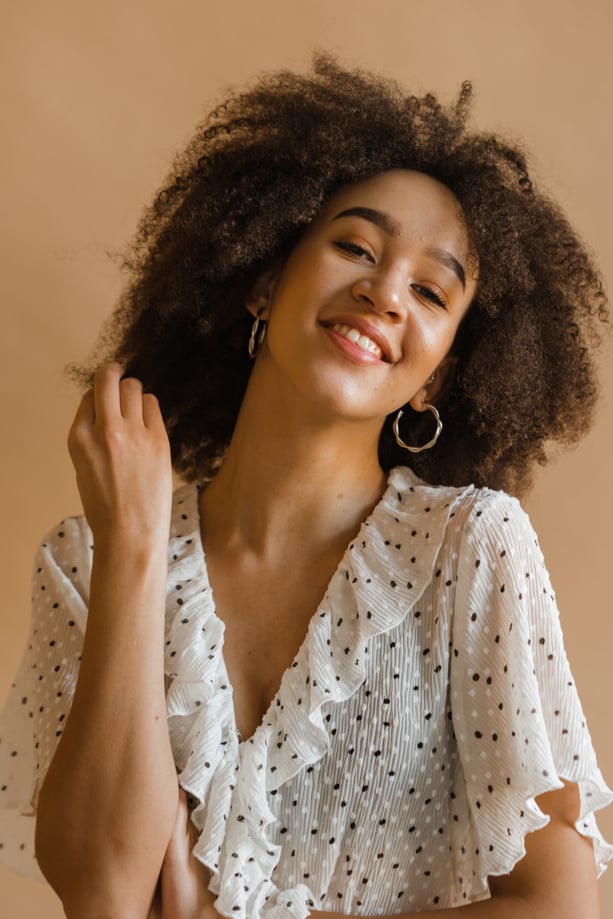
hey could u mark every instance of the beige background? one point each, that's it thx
(96, 98)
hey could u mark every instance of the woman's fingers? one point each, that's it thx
(185, 893)
(106, 392)
(152, 416)
(86, 412)
(179, 829)
(118, 396)
(82, 422)
(131, 399)
(184, 830)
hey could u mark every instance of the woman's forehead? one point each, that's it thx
(402, 190)
(407, 202)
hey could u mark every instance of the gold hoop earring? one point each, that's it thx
(400, 441)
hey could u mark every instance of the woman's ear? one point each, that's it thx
(437, 386)
(258, 300)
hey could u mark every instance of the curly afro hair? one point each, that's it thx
(253, 177)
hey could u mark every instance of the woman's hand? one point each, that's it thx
(119, 447)
(184, 880)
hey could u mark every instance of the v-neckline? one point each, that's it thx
(318, 613)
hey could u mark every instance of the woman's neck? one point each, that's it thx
(292, 478)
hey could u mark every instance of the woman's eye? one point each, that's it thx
(430, 294)
(354, 248)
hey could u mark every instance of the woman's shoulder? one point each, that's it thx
(461, 518)
(471, 501)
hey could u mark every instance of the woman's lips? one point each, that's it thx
(351, 348)
(360, 325)
(361, 335)
(357, 337)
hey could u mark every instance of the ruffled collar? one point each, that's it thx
(382, 574)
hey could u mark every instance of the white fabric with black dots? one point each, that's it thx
(398, 764)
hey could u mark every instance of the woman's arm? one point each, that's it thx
(108, 802)
(184, 880)
(556, 879)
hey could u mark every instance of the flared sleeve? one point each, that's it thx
(39, 700)
(517, 717)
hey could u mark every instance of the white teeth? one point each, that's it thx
(362, 341)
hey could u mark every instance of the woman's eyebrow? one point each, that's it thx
(449, 261)
(387, 223)
(392, 228)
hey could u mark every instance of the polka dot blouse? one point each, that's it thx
(397, 767)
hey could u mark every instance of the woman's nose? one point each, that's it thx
(384, 293)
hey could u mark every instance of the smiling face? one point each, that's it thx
(366, 307)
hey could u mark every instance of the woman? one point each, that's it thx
(363, 689)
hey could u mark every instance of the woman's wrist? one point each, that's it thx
(119, 554)
(123, 543)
